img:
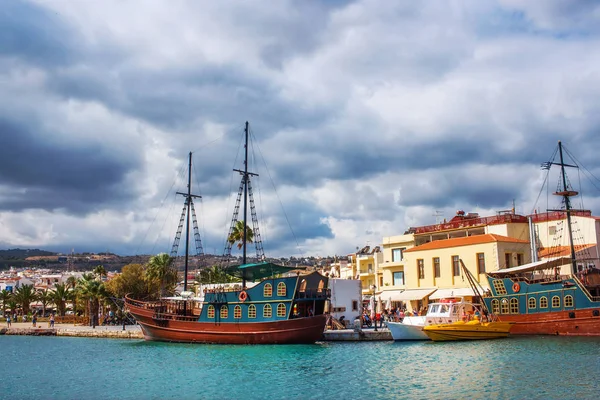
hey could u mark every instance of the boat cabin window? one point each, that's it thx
(568, 301)
(267, 311)
(224, 312)
(433, 308)
(321, 286)
(443, 309)
(504, 306)
(495, 306)
(268, 290)
(237, 312)
(543, 302)
(210, 312)
(555, 302)
(499, 287)
(514, 305)
(251, 311)
(281, 310)
(531, 303)
(303, 285)
(281, 289)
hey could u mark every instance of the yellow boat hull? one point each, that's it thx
(473, 330)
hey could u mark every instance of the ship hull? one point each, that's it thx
(583, 323)
(292, 331)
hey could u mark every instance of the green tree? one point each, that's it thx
(132, 280)
(45, 297)
(160, 268)
(238, 234)
(93, 292)
(71, 282)
(5, 297)
(100, 271)
(24, 296)
(215, 274)
(60, 295)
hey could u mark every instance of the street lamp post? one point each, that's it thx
(374, 307)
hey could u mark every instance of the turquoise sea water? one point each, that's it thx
(514, 368)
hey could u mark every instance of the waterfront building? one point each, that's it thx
(426, 259)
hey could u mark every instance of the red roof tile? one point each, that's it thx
(465, 241)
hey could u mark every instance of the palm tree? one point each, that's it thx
(215, 274)
(100, 271)
(160, 268)
(71, 282)
(60, 296)
(25, 295)
(5, 297)
(238, 234)
(93, 291)
(45, 297)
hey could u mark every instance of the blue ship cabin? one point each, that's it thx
(274, 297)
(536, 288)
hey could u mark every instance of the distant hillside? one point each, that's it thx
(21, 254)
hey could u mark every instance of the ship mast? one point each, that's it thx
(566, 195)
(189, 207)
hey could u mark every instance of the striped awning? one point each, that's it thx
(406, 295)
(452, 293)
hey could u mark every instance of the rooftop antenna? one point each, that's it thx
(438, 216)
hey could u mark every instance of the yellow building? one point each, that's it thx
(422, 263)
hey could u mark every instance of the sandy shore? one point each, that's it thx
(42, 329)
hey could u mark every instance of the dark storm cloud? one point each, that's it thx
(48, 174)
(35, 35)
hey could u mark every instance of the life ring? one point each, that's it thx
(516, 287)
(243, 296)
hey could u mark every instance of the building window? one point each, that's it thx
(495, 307)
(506, 260)
(480, 263)
(237, 312)
(455, 266)
(224, 312)
(519, 259)
(267, 311)
(421, 268)
(211, 312)
(436, 267)
(504, 306)
(543, 302)
(499, 287)
(268, 290)
(398, 254)
(568, 301)
(398, 277)
(552, 230)
(281, 310)
(370, 268)
(354, 305)
(514, 306)
(281, 289)
(380, 281)
(252, 311)
(555, 302)
(531, 303)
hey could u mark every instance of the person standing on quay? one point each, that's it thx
(34, 320)
(52, 320)
(8, 321)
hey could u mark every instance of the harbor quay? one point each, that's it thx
(134, 332)
(109, 332)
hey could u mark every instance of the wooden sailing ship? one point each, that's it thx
(284, 306)
(559, 295)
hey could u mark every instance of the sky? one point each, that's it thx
(366, 117)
